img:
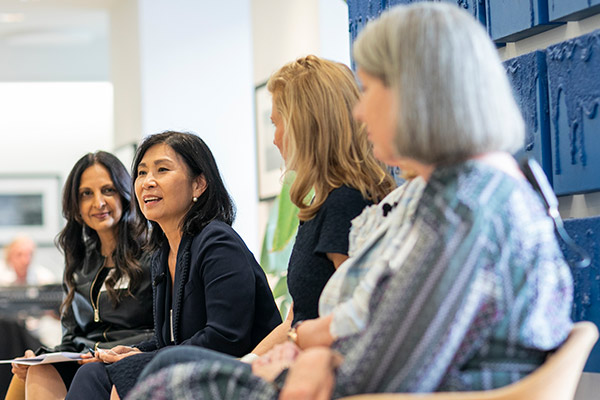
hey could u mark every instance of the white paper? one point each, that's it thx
(48, 358)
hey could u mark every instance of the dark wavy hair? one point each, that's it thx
(77, 238)
(214, 203)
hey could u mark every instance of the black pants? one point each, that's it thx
(91, 382)
(94, 381)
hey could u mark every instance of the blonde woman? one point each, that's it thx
(329, 152)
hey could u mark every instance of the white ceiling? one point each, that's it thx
(54, 35)
(71, 20)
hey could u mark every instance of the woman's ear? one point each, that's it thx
(199, 185)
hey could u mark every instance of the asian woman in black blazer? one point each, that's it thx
(208, 289)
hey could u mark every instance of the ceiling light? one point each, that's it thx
(8, 18)
(48, 38)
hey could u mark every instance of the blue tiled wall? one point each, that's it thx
(511, 20)
(574, 93)
(362, 11)
(527, 75)
(506, 20)
(586, 302)
(572, 10)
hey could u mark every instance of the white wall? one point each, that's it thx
(46, 127)
(54, 42)
(125, 72)
(285, 30)
(196, 75)
(282, 31)
(334, 32)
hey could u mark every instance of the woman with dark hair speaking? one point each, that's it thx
(208, 289)
(108, 289)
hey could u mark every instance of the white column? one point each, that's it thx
(194, 73)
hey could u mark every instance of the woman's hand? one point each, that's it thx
(116, 353)
(269, 365)
(311, 377)
(88, 358)
(314, 332)
(20, 370)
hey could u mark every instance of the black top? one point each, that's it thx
(127, 323)
(309, 268)
(220, 299)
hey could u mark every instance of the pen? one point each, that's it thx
(92, 351)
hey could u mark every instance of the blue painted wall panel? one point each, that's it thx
(527, 75)
(574, 95)
(511, 20)
(572, 10)
(362, 11)
(586, 304)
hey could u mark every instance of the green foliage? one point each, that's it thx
(278, 242)
(287, 217)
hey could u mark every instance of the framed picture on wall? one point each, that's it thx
(29, 205)
(125, 154)
(270, 162)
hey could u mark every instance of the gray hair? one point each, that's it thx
(454, 99)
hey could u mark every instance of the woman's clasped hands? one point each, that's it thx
(272, 363)
(109, 356)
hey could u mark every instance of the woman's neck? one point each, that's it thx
(174, 238)
(108, 243)
(414, 167)
(173, 235)
(502, 161)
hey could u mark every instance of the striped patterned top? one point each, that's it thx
(481, 294)
(374, 235)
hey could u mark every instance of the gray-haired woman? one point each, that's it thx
(479, 292)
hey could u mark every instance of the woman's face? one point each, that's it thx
(377, 109)
(164, 188)
(99, 202)
(279, 131)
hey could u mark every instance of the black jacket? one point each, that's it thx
(128, 323)
(222, 300)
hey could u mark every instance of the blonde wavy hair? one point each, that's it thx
(323, 143)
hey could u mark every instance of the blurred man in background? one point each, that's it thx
(18, 270)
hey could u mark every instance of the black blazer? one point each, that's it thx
(221, 298)
(127, 323)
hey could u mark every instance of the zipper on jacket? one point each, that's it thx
(96, 306)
